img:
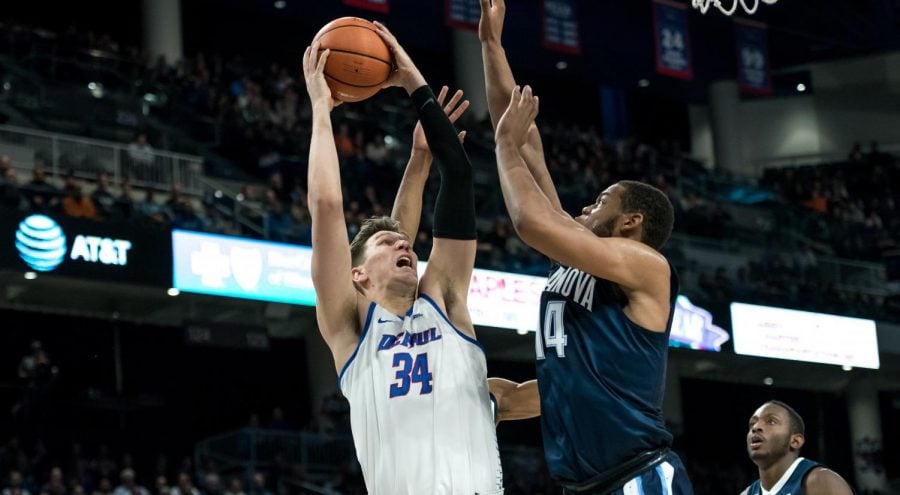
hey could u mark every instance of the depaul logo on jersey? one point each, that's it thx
(409, 340)
(574, 283)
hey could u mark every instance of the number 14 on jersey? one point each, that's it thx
(553, 333)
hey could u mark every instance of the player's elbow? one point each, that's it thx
(319, 202)
(530, 226)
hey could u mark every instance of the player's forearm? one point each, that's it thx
(533, 154)
(408, 203)
(323, 168)
(454, 210)
(526, 203)
(498, 79)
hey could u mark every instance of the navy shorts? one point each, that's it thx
(669, 477)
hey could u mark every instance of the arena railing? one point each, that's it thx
(85, 157)
(257, 449)
(860, 276)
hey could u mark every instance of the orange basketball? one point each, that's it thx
(359, 61)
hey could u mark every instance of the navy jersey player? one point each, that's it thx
(774, 438)
(606, 311)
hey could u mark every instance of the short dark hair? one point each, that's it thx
(369, 228)
(659, 215)
(797, 425)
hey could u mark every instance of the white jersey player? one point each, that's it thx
(426, 382)
(411, 367)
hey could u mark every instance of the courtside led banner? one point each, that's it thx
(55, 244)
(804, 336)
(235, 267)
(672, 39)
(268, 271)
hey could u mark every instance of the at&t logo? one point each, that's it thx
(41, 243)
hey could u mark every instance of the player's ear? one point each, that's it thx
(359, 275)
(632, 221)
(797, 441)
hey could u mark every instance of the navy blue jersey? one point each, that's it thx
(794, 484)
(601, 376)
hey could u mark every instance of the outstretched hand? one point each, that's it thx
(490, 26)
(513, 125)
(314, 74)
(454, 109)
(405, 74)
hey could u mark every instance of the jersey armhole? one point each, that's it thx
(362, 336)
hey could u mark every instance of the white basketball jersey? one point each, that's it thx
(420, 409)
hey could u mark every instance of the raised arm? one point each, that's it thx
(335, 295)
(515, 400)
(499, 83)
(636, 267)
(453, 254)
(407, 208)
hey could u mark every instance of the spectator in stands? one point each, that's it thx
(103, 199)
(344, 142)
(235, 487)
(76, 204)
(128, 484)
(258, 485)
(277, 422)
(104, 487)
(150, 209)
(41, 195)
(56, 485)
(15, 484)
(141, 157)
(10, 193)
(125, 202)
(212, 484)
(376, 151)
(185, 485)
(162, 486)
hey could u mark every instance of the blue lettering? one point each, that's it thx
(387, 341)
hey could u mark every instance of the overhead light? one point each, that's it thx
(847, 367)
(173, 292)
(217, 194)
(96, 89)
(30, 275)
(643, 83)
(7, 86)
(562, 65)
(522, 331)
(801, 87)
(280, 4)
(768, 381)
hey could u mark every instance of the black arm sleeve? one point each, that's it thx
(454, 209)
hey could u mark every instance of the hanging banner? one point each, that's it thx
(752, 44)
(561, 26)
(672, 39)
(463, 14)
(381, 6)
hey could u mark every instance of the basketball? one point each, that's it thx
(359, 62)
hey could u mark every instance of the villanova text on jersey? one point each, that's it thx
(601, 376)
